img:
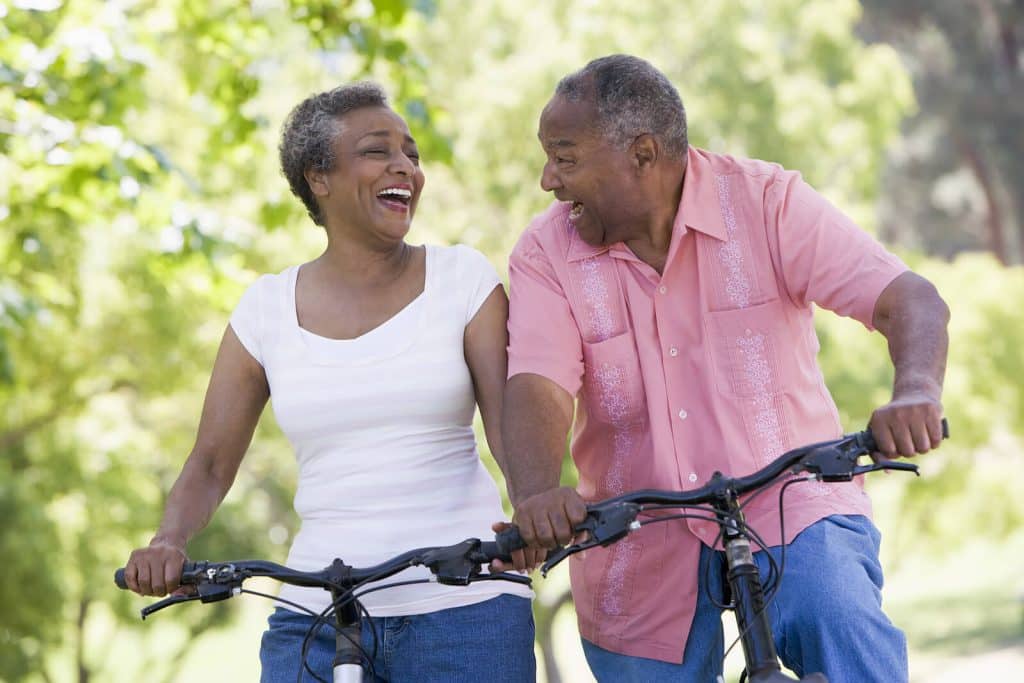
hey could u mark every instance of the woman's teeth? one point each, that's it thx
(397, 193)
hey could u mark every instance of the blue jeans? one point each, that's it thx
(489, 640)
(827, 616)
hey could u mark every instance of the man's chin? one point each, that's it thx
(594, 238)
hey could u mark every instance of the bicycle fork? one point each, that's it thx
(348, 660)
(747, 594)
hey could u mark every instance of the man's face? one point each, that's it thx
(585, 169)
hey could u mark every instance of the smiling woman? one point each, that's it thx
(386, 452)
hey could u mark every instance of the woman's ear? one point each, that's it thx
(317, 182)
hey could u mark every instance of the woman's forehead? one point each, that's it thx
(372, 120)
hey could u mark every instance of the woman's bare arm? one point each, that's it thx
(235, 398)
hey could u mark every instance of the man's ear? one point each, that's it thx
(645, 152)
(317, 182)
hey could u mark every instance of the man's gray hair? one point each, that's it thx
(632, 98)
(307, 136)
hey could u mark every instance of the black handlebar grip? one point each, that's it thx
(119, 579)
(508, 539)
(867, 439)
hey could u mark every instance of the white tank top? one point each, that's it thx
(382, 430)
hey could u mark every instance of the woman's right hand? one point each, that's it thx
(156, 569)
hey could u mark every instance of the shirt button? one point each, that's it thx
(673, 352)
(682, 414)
(693, 477)
(662, 289)
(748, 332)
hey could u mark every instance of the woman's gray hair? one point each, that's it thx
(632, 98)
(307, 136)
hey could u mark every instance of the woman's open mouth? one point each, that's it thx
(395, 198)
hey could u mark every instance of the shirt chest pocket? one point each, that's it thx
(752, 350)
(612, 383)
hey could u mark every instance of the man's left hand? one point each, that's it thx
(909, 424)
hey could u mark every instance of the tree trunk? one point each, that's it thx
(996, 229)
(83, 671)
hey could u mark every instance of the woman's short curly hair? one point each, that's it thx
(307, 135)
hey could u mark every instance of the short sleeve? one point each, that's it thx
(544, 338)
(247, 319)
(477, 278)
(825, 258)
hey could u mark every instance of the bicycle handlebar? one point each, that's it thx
(457, 564)
(609, 520)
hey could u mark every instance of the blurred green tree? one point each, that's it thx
(955, 178)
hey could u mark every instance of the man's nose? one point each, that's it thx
(549, 180)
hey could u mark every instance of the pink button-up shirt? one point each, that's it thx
(709, 366)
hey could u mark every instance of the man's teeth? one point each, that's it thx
(577, 210)
(395, 192)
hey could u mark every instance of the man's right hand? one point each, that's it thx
(546, 520)
(156, 569)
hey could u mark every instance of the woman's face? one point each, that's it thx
(377, 179)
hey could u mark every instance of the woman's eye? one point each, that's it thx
(563, 160)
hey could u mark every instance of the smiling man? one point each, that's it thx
(666, 297)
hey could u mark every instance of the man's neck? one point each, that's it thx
(653, 245)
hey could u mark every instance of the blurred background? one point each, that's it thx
(139, 196)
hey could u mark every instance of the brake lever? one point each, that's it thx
(503, 576)
(559, 554)
(887, 465)
(167, 602)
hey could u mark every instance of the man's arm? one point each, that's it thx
(913, 318)
(536, 418)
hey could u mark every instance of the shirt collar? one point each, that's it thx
(699, 209)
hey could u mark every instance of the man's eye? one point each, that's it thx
(563, 160)
(374, 151)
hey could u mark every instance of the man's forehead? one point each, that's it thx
(565, 123)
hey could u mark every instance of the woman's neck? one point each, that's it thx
(356, 264)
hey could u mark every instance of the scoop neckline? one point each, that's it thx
(294, 307)
(392, 337)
